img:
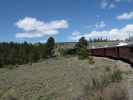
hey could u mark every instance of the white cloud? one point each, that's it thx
(75, 36)
(76, 33)
(113, 34)
(128, 28)
(104, 4)
(112, 6)
(29, 24)
(125, 16)
(36, 28)
(97, 25)
(100, 24)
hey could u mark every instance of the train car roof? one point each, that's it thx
(128, 45)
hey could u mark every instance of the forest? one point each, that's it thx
(27, 53)
(22, 53)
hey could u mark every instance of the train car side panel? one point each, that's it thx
(111, 52)
(97, 52)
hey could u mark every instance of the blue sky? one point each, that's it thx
(66, 20)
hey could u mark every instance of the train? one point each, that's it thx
(124, 53)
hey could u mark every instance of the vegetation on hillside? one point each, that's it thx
(23, 53)
(82, 49)
(61, 78)
(93, 82)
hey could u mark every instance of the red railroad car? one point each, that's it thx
(117, 52)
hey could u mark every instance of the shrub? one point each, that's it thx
(113, 93)
(83, 53)
(66, 52)
(91, 60)
(1, 65)
(116, 75)
(61, 52)
(10, 67)
(101, 89)
(96, 84)
(105, 80)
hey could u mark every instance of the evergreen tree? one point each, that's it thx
(23, 53)
(82, 49)
(83, 53)
(50, 45)
(83, 43)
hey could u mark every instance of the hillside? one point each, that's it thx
(58, 79)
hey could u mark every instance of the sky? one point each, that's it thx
(65, 20)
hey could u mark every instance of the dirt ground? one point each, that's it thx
(54, 79)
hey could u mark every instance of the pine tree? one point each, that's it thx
(82, 49)
(23, 53)
(83, 43)
(50, 45)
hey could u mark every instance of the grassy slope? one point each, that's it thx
(53, 79)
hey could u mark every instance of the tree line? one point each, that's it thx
(23, 53)
(99, 40)
(81, 50)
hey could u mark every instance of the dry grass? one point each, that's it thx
(63, 79)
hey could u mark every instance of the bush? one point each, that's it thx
(82, 50)
(83, 53)
(116, 76)
(106, 87)
(114, 93)
(91, 60)
(67, 52)
(1, 65)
